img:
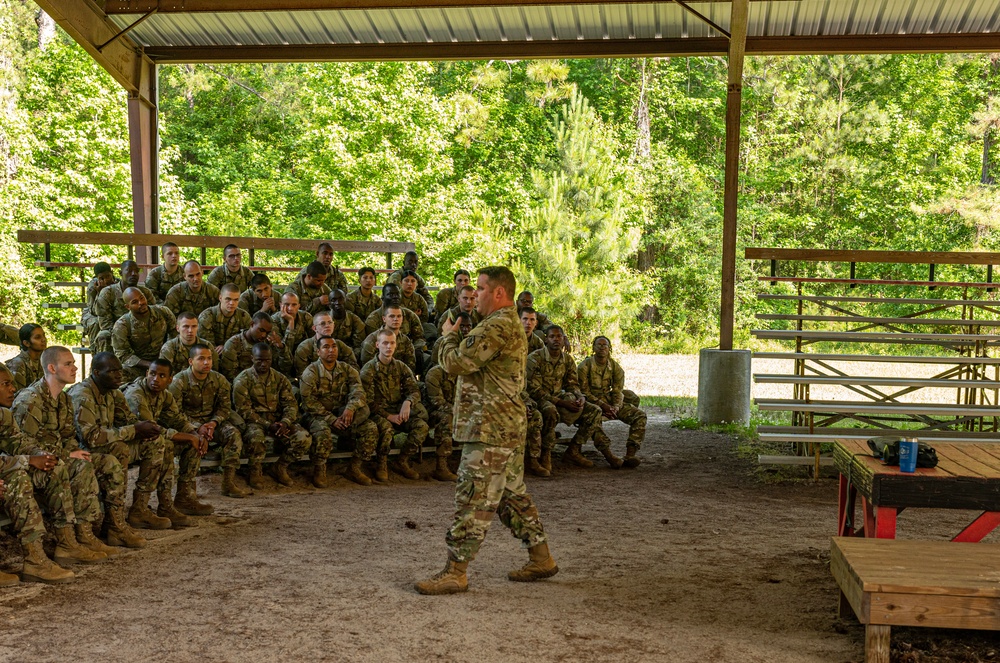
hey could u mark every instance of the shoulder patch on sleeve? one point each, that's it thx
(470, 341)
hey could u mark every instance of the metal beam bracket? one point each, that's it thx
(127, 29)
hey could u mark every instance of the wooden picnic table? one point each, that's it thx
(967, 477)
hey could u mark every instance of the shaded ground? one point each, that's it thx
(687, 558)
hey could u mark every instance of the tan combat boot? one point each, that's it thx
(68, 550)
(403, 468)
(382, 469)
(441, 472)
(39, 568)
(450, 581)
(119, 532)
(166, 509)
(540, 565)
(8, 579)
(631, 460)
(229, 487)
(574, 456)
(319, 474)
(280, 474)
(141, 516)
(535, 468)
(85, 537)
(546, 460)
(187, 502)
(356, 474)
(255, 479)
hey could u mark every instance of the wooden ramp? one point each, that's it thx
(937, 584)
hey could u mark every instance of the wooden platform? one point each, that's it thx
(937, 584)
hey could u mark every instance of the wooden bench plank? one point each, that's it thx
(941, 322)
(977, 436)
(867, 434)
(880, 300)
(874, 337)
(930, 359)
(906, 257)
(769, 378)
(900, 282)
(838, 407)
(63, 305)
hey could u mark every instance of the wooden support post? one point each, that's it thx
(989, 276)
(251, 256)
(877, 637)
(388, 261)
(734, 97)
(853, 272)
(931, 276)
(143, 137)
(774, 271)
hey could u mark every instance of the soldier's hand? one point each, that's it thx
(219, 349)
(345, 420)
(394, 419)
(607, 411)
(147, 430)
(268, 305)
(80, 454)
(207, 430)
(448, 325)
(274, 339)
(43, 462)
(325, 300)
(202, 445)
(188, 438)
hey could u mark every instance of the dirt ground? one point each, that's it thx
(690, 557)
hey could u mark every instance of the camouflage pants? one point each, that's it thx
(91, 327)
(55, 494)
(255, 438)
(441, 422)
(586, 420)
(227, 440)
(362, 431)
(415, 427)
(19, 503)
(189, 461)
(101, 342)
(142, 451)
(491, 481)
(630, 397)
(636, 420)
(534, 436)
(102, 471)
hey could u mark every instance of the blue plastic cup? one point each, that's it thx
(908, 455)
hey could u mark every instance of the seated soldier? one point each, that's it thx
(88, 319)
(140, 334)
(552, 384)
(150, 400)
(177, 350)
(362, 301)
(292, 325)
(259, 296)
(448, 297)
(110, 306)
(263, 398)
(204, 398)
(348, 327)
(324, 255)
(333, 403)
(410, 263)
(23, 470)
(529, 320)
(308, 350)
(409, 297)
(392, 321)
(26, 367)
(232, 271)
(466, 304)
(411, 323)
(394, 399)
(106, 425)
(439, 388)
(533, 438)
(602, 381)
(527, 300)
(163, 277)
(192, 294)
(464, 327)
(226, 319)
(44, 412)
(237, 353)
(311, 289)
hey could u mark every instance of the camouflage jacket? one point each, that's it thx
(285, 361)
(350, 330)
(307, 353)
(334, 278)
(221, 275)
(309, 297)
(135, 339)
(177, 353)
(411, 326)
(251, 303)
(324, 392)
(490, 364)
(217, 328)
(362, 306)
(446, 299)
(397, 277)
(202, 401)
(535, 342)
(101, 419)
(404, 350)
(24, 369)
(13, 442)
(109, 305)
(602, 384)
(453, 311)
(161, 408)
(415, 303)
(388, 385)
(265, 400)
(237, 356)
(180, 298)
(160, 282)
(552, 378)
(47, 420)
(439, 387)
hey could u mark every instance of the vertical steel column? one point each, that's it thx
(144, 145)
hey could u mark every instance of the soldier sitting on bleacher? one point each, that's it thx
(237, 354)
(163, 277)
(348, 327)
(529, 320)
(191, 294)
(292, 325)
(448, 297)
(363, 300)
(221, 322)
(139, 335)
(466, 304)
(110, 306)
(308, 350)
(410, 263)
(311, 288)
(259, 296)
(26, 367)
(102, 279)
(392, 321)
(232, 271)
(177, 349)
(602, 381)
(334, 277)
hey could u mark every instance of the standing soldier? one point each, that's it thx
(102, 279)
(394, 398)
(490, 423)
(448, 297)
(392, 321)
(263, 398)
(410, 263)
(232, 271)
(204, 398)
(333, 403)
(110, 306)
(237, 354)
(602, 381)
(259, 296)
(140, 334)
(439, 387)
(163, 277)
(192, 294)
(26, 367)
(292, 325)
(308, 350)
(226, 319)
(311, 288)
(364, 300)
(348, 327)
(176, 350)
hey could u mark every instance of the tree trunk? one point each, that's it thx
(46, 29)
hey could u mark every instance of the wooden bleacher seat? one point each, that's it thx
(828, 435)
(873, 407)
(875, 337)
(851, 319)
(768, 378)
(930, 359)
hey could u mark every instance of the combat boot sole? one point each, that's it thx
(51, 575)
(533, 571)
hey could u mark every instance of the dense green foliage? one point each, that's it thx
(600, 180)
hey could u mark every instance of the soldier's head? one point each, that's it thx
(233, 257)
(59, 365)
(324, 255)
(229, 299)
(130, 274)
(104, 275)
(392, 317)
(366, 278)
(467, 298)
(323, 324)
(386, 344)
(315, 274)
(135, 301)
(7, 387)
(409, 282)
(464, 323)
(193, 275)
(525, 300)
(106, 371)
(261, 358)
(290, 303)
(260, 327)
(390, 294)
(187, 327)
(602, 348)
(411, 260)
(200, 360)
(32, 339)
(338, 304)
(327, 349)
(554, 339)
(495, 289)
(462, 278)
(529, 319)
(171, 255)
(159, 375)
(261, 286)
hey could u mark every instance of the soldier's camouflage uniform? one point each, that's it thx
(425, 294)
(164, 410)
(490, 423)
(160, 282)
(251, 303)
(181, 298)
(284, 359)
(362, 306)
(334, 277)
(204, 401)
(19, 499)
(415, 303)
(24, 369)
(386, 387)
(439, 388)
(535, 342)
(446, 298)
(309, 296)
(140, 339)
(221, 275)
(89, 320)
(178, 354)
(326, 394)
(106, 425)
(607, 385)
(404, 350)
(411, 326)
(9, 335)
(264, 400)
(108, 307)
(49, 422)
(543, 322)
(555, 378)
(533, 438)
(307, 353)
(350, 330)
(455, 310)
(214, 326)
